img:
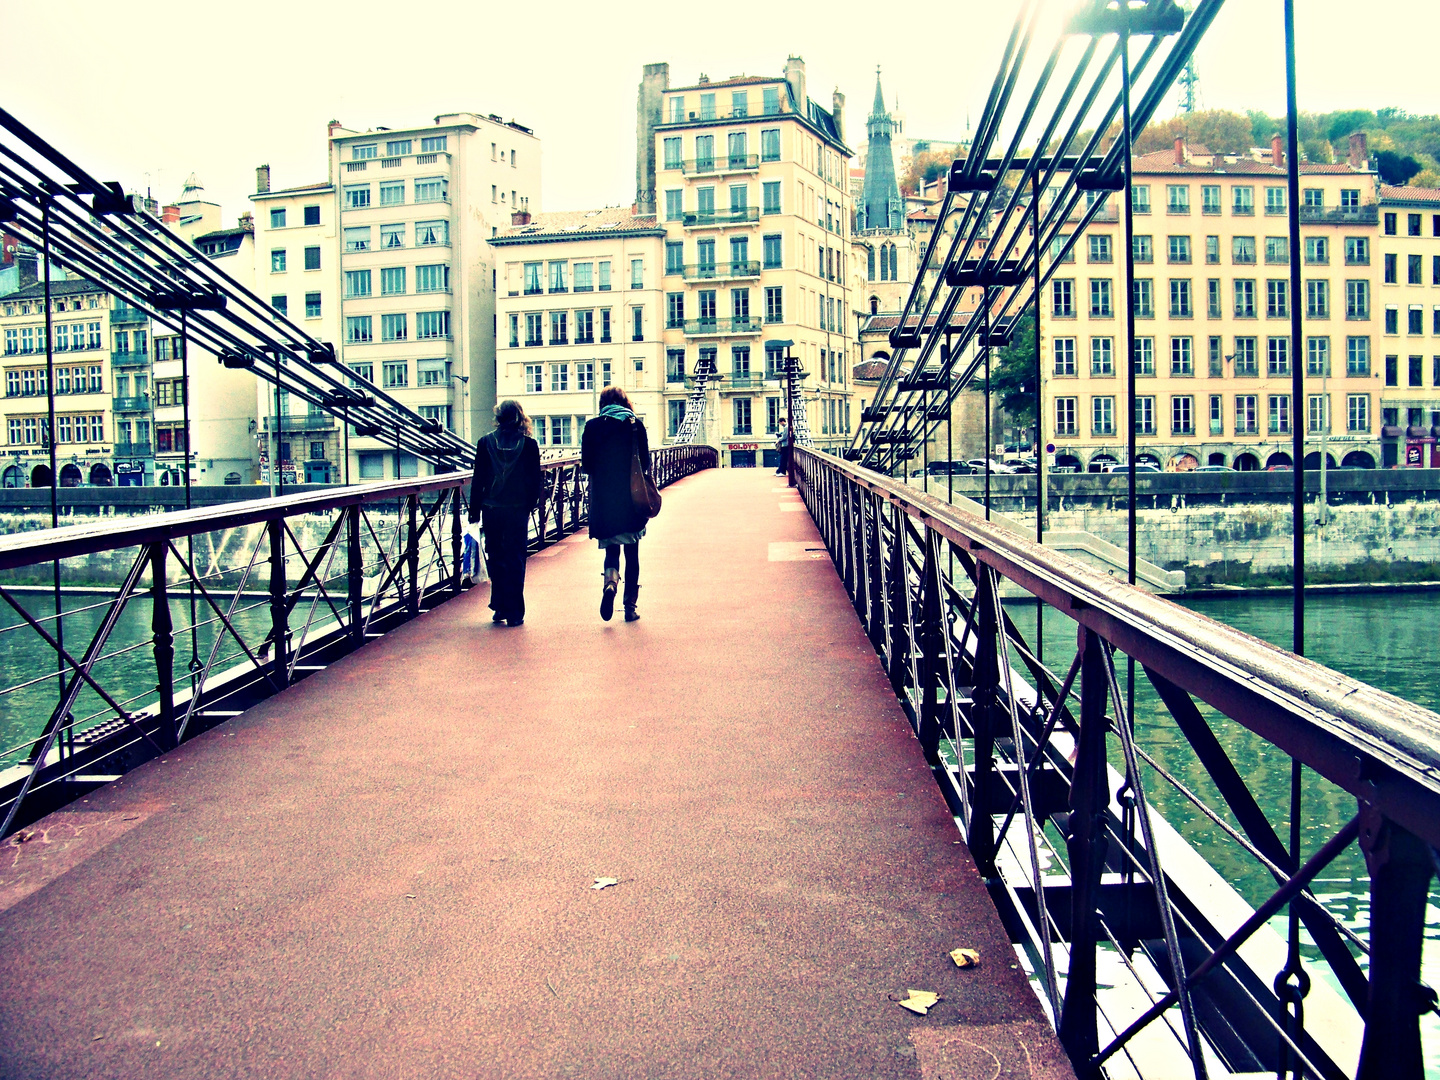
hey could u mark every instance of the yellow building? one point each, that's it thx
(749, 179)
(1408, 299)
(1212, 302)
(580, 308)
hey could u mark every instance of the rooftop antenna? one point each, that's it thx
(1189, 79)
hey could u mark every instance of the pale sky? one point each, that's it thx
(146, 95)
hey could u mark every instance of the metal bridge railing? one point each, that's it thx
(1141, 950)
(176, 621)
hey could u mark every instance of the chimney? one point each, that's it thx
(654, 81)
(170, 215)
(795, 76)
(1359, 151)
(1277, 151)
(332, 127)
(1180, 149)
(837, 110)
(9, 245)
(262, 179)
(247, 221)
(522, 215)
(152, 206)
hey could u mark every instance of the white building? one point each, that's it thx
(417, 209)
(580, 308)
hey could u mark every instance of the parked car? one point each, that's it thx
(1142, 467)
(1212, 468)
(1279, 468)
(980, 465)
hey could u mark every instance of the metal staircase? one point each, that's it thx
(690, 424)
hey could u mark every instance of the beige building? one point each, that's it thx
(417, 209)
(296, 228)
(581, 308)
(748, 177)
(1408, 302)
(86, 323)
(1212, 302)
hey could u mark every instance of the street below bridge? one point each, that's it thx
(387, 870)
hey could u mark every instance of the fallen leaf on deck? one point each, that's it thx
(604, 883)
(919, 1001)
(965, 958)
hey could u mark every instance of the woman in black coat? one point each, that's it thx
(605, 451)
(503, 495)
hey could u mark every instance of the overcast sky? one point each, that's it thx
(146, 95)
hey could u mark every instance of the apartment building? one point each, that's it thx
(581, 308)
(1212, 302)
(417, 209)
(1408, 300)
(89, 380)
(297, 268)
(749, 178)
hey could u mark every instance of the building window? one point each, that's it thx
(770, 197)
(559, 378)
(585, 375)
(1140, 198)
(1317, 250)
(742, 416)
(1144, 299)
(392, 280)
(357, 330)
(584, 327)
(1277, 355)
(1317, 357)
(1144, 249)
(1357, 251)
(277, 217)
(1182, 357)
(1357, 409)
(1392, 320)
(1179, 249)
(534, 379)
(1102, 416)
(674, 154)
(312, 215)
(1212, 298)
(1177, 198)
(674, 366)
(770, 144)
(1357, 357)
(514, 331)
(637, 273)
(281, 304)
(1317, 299)
(674, 310)
(1102, 356)
(557, 277)
(357, 283)
(1357, 300)
(392, 193)
(1217, 357)
(1062, 298)
(774, 304)
(431, 189)
(1144, 356)
(277, 261)
(393, 328)
(770, 248)
(1064, 356)
(1100, 249)
(1392, 271)
(357, 196)
(395, 373)
(1182, 415)
(674, 258)
(1390, 226)
(1417, 372)
(1180, 304)
(312, 305)
(1144, 416)
(432, 324)
(432, 373)
(1274, 200)
(1242, 250)
(1279, 414)
(1244, 298)
(637, 324)
(770, 100)
(559, 326)
(434, 277)
(1247, 416)
(357, 239)
(532, 278)
(1210, 198)
(1415, 323)
(1065, 416)
(674, 416)
(1242, 200)
(431, 233)
(605, 328)
(674, 205)
(1392, 371)
(1277, 251)
(312, 258)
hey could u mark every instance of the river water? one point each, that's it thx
(1387, 640)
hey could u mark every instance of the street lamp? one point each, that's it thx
(789, 450)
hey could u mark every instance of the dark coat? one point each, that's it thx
(507, 473)
(605, 450)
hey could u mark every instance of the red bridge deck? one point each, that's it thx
(386, 871)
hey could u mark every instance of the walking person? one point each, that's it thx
(503, 494)
(606, 448)
(782, 444)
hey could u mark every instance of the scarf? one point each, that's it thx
(617, 412)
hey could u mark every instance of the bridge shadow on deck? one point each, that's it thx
(385, 871)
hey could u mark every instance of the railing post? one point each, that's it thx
(930, 649)
(455, 539)
(412, 554)
(163, 627)
(355, 576)
(983, 714)
(874, 608)
(1086, 846)
(1400, 866)
(897, 658)
(279, 615)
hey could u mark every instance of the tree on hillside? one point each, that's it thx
(1341, 125)
(926, 166)
(1395, 169)
(1012, 381)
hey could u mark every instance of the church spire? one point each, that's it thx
(881, 205)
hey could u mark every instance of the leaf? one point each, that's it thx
(965, 958)
(604, 883)
(919, 1001)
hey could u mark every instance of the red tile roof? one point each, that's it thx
(1404, 194)
(869, 370)
(1162, 162)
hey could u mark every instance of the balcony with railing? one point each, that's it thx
(138, 403)
(134, 449)
(709, 219)
(129, 359)
(739, 324)
(299, 422)
(1344, 215)
(720, 164)
(127, 316)
(749, 268)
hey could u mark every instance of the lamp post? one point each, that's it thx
(786, 343)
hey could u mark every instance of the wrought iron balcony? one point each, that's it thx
(750, 268)
(127, 316)
(129, 359)
(1358, 215)
(303, 422)
(139, 403)
(740, 324)
(721, 163)
(134, 449)
(712, 218)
